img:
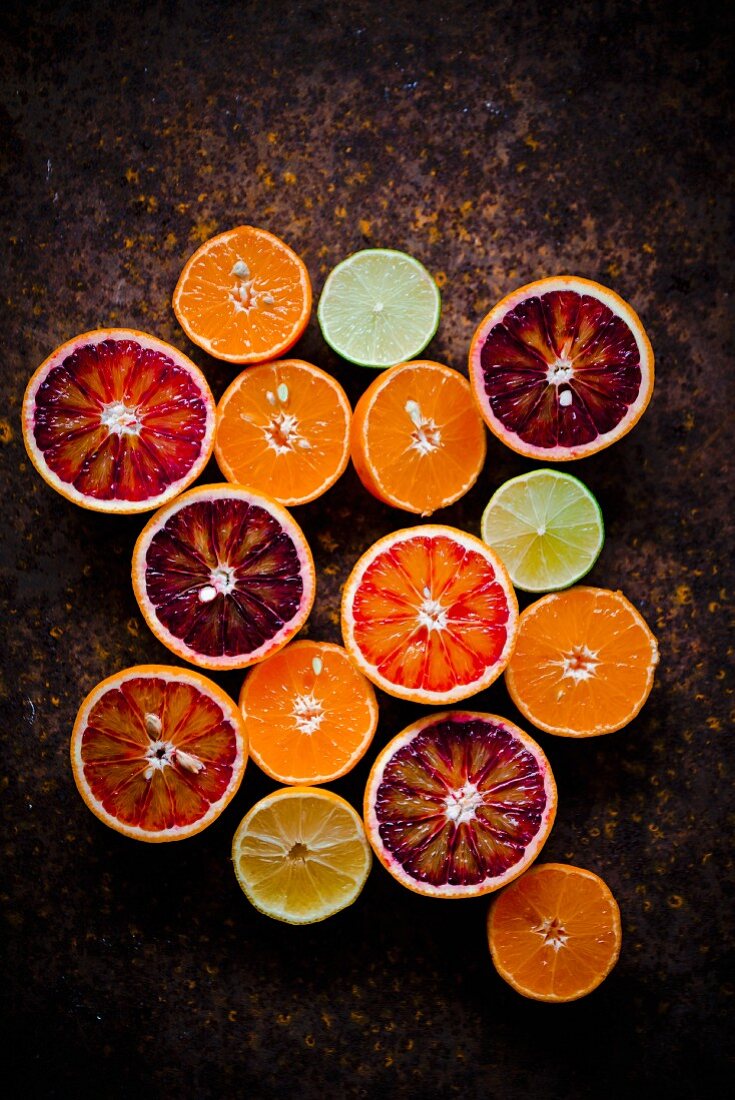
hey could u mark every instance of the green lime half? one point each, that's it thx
(379, 307)
(547, 529)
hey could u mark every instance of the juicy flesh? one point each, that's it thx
(223, 576)
(283, 430)
(583, 660)
(119, 421)
(157, 753)
(460, 803)
(430, 614)
(560, 369)
(554, 931)
(302, 857)
(305, 724)
(425, 439)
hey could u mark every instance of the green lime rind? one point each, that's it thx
(379, 307)
(546, 527)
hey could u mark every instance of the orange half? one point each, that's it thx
(417, 440)
(429, 614)
(283, 429)
(244, 296)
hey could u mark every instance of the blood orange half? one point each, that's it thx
(224, 577)
(118, 421)
(429, 614)
(459, 804)
(561, 368)
(157, 753)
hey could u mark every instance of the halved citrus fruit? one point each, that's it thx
(283, 429)
(309, 714)
(379, 307)
(244, 296)
(118, 421)
(555, 933)
(547, 528)
(458, 804)
(417, 440)
(561, 368)
(300, 855)
(429, 614)
(583, 663)
(224, 577)
(157, 753)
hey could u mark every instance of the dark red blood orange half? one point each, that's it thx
(459, 804)
(561, 368)
(224, 576)
(118, 421)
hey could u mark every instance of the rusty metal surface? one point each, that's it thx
(498, 143)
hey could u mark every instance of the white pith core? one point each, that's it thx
(222, 581)
(431, 613)
(282, 433)
(554, 934)
(245, 294)
(307, 713)
(461, 804)
(560, 371)
(580, 664)
(426, 436)
(120, 419)
(162, 754)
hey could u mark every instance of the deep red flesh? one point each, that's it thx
(116, 751)
(111, 465)
(444, 757)
(263, 566)
(533, 337)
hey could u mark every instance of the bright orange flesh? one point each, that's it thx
(583, 663)
(309, 714)
(158, 752)
(244, 296)
(429, 614)
(554, 933)
(417, 440)
(283, 429)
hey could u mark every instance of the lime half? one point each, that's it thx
(547, 529)
(379, 307)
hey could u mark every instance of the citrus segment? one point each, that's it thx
(555, 933)
(458, 804)
(309, 714)
(223, 576)
(244, 296)
(283, 429)
(429, 614)
(300, 855)
(417, 440)
(118, 421)
(583, 663)
(379, 307)
(157, 752)
(561, 368)
(547, 528)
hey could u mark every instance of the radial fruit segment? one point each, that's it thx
(157, 752)
(118, 421)
(224, 576)
(429, 614)
(244, 296)
(459, 804)
(561, 368)
(379, 307)
(418, 442)
(283, 429)
(309, 714)
(547, 527)
(583, 663)
(555, 932)
(300, 855)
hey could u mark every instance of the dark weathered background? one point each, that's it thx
(498, 142)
